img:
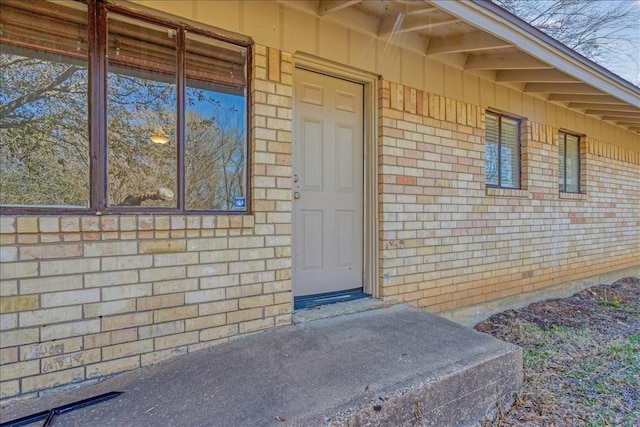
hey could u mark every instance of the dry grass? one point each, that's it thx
(581, 358)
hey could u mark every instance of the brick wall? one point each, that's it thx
(82, 297)
(447, 241)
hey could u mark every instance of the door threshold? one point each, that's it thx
(309, 301)
(338, 309)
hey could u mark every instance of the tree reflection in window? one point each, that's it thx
(44, 123)
(215, 155)
(171, 135)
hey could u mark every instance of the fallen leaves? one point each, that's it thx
(581, 359)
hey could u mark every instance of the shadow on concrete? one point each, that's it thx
(388, 366)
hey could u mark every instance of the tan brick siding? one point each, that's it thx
(84, 297)
(447, 241)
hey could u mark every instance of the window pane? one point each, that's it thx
(141, 114)
(215, 150)
(491, 150)
(561, 159)
(510, 154)
(44, 138)
(573, 164)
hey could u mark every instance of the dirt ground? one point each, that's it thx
(581, 358)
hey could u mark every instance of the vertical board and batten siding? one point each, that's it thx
(83, 297)
(272, 24)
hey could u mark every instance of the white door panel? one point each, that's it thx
(311, 162)
(328, 163)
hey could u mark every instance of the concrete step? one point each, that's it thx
(389, 366)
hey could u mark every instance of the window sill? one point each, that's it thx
(165, 225)
(508, 192)
(573, 196)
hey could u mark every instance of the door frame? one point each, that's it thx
(369, 81)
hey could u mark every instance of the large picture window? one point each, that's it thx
(569, 162)
(103, 109)
(502, 151)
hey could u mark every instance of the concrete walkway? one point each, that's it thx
(388, 366)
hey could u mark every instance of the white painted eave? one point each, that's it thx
(490, 18)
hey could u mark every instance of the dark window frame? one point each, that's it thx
(499, 117)
(97, 112)
(562, 139)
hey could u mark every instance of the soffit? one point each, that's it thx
(485, 40)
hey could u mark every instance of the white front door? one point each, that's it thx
(327, 184)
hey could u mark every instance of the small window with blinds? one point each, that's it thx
(502, 151)
(569, 162)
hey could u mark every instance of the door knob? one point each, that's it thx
(296, 195)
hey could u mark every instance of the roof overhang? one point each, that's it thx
(486, 40)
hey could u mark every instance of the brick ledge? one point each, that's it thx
(508, 192)
(573, 196)
(17, 224)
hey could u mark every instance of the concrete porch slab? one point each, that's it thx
(389, 366)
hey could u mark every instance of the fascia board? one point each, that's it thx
(488, 17)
